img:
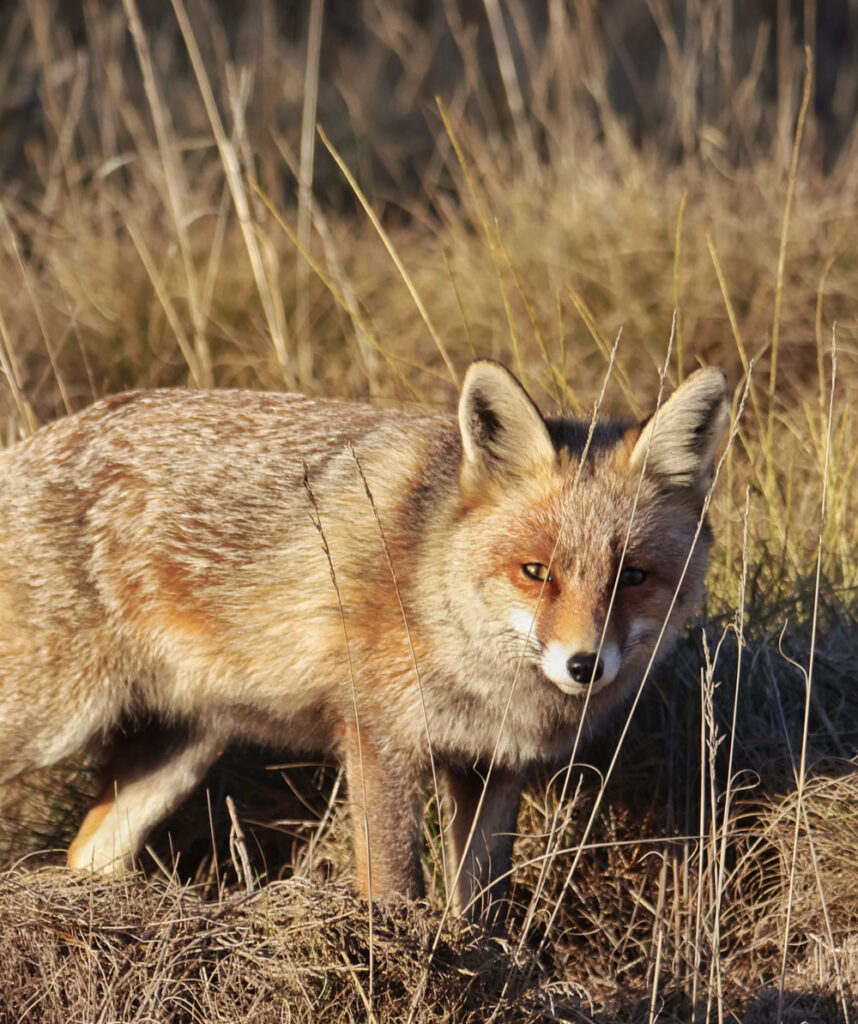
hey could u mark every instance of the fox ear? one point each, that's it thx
(678, 442)
(503, 433)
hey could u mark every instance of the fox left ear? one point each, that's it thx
(503, 433)
(678, 443)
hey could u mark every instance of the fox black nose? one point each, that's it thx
(585, 667)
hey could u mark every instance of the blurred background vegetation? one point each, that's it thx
(622, 158)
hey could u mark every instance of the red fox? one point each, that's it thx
(394, 587)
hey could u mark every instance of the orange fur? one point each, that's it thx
(92, 822)
(169, 558)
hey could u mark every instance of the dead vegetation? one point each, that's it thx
(626, 161)
(130, 950)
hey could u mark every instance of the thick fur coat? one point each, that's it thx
(213, 562)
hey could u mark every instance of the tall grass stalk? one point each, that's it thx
(176, 189)
(232, 170)
(801, 775)
(317, 523)
(400, 266)
(782, 251)
(305, 186)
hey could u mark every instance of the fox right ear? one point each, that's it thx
(503, 433)
(678, 443)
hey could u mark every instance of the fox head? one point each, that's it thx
(585, 562)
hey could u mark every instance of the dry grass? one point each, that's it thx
(153, 232)
(75, 950)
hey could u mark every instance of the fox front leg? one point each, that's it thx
(479, 852)
(385, 804)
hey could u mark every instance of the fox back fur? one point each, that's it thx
(168, 556)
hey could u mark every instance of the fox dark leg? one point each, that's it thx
(482, 859)
(385, 803)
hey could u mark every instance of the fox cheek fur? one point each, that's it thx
(168, 555)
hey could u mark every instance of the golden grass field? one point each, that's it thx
(356, 206)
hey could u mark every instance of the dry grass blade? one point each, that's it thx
(553, 831)
(785, 226)
(586, 314)
(31, 292)
(435, 788)
(388, 244)
(238, 849)
(500, 38)
(305, 186)
(175, 187)
(317, 522)
(344, 296)
(808, 673)
(677, 263)
(490, 230)
(146, 258)
(646, 672)
(12, 375)
(232, 170)
(555, 910)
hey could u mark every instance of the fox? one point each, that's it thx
(407, 591)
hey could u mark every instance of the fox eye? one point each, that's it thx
(537, 571)
(632, 577)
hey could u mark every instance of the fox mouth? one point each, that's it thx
(573, 689)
